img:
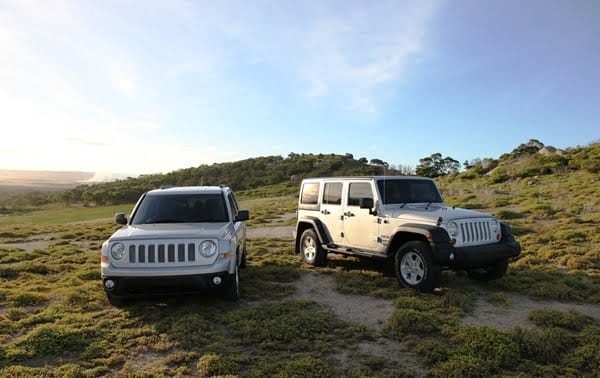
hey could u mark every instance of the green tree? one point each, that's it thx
(436, 165)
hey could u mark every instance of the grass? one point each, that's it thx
(56, 321)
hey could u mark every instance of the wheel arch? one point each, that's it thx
(410, 232)
(310, 223)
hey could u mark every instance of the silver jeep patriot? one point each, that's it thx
(179, 239)
(402, 219)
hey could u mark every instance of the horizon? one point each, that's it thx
(128, 89)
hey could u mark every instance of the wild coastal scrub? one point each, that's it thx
(55, 319)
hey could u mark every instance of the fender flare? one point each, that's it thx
(316, 224)
(434, 235)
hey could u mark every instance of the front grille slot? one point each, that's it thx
(161, 254)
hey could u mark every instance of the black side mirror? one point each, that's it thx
(242, 215)
(120, 218)
(367, 203)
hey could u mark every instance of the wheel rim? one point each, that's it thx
(309, 248)
(412, 268)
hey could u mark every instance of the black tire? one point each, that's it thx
(243, 261)
(414, 266)
(116, 300)
(310, 249)
(492, 272)
(232, 291)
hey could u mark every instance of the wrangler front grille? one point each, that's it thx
(476, 231)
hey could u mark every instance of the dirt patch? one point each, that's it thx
(281, 232)
(371, 312)
(516, 311)
(28, 245)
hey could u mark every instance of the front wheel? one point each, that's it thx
(116, 300)
(414, 266)
(489, 273)
(311, 250)
(232, 291)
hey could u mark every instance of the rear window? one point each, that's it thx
(191, 208)
(310, 193)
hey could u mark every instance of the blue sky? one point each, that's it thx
(141, 87)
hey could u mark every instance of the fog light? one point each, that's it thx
(109, 284)
(217, 280)
(452, 257)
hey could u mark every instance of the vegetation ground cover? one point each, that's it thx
(55, 320)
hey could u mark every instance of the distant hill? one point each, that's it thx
(281, 175)
(43, 179)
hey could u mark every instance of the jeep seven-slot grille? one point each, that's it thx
(162, 253)
(476, 231)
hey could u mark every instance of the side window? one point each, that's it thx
(357, 191)
(332, 193)
(310, 193)
(233, 205)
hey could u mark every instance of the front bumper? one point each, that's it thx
(143, 286)
(446, 255)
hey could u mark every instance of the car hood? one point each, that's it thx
(431, 214)
(173, 231)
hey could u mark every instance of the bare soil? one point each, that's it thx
(371, 312)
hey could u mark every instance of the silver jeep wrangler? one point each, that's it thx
(402, 219)
(178, 239)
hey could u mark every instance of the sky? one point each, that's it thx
(137, 87)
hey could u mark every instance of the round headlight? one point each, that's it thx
(117, 251)
(452, 229)
(208, 248)
(494, 226)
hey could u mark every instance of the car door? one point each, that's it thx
(360, 227)
(332, 211)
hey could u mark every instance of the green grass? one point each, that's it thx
(58, 214)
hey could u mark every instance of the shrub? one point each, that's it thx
(407, 321)
(552, 318)
(494, 347)
(28, 299)
(507, 214)
(214, 364)
(544, 346)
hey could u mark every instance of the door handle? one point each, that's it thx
(349, 214)
(325, 211)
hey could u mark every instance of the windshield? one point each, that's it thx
(188, 208)
(398, 191)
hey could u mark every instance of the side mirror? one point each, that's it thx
(120, 218)
(367, 203)
(242, 215)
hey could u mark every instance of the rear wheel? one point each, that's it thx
(414, 266)
(311, 250)
(489, 273)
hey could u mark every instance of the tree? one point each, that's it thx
(379, 162)
(436, 165)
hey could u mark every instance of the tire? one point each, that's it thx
(243, 261)
(116, 300)
(492, 272)
(232, 291)
(414, 266)
(310, 249)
